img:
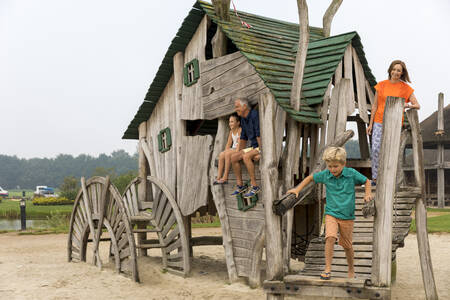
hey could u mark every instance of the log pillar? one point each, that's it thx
(269, 170)
(142, 186)
(382, 237)
(421, 210)
(440, 153)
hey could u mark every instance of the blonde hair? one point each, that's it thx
(333, 154)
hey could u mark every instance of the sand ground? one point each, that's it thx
(36, 267)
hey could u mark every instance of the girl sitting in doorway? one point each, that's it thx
(230, 148)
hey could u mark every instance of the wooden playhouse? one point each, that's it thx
(182, 126)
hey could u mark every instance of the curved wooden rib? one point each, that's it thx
(99, 205)
(165, 219)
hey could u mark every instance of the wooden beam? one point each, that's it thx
(390, 145)
(345, 92)
(348, 74)
(329, 15)
(400, 178)
(440, 153)
(143, 169)
(360, 87)
(363, 143)
(269, 170)
(219, 199)
(421, 211)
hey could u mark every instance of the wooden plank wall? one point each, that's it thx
(163, 116)
(244, 225)
(191, 108)
(193, 180)
(224, 79)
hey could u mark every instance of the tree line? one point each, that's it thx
(28, 173)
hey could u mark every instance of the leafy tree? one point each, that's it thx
(122, 181)
(69, 187)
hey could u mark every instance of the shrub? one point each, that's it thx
(52, 201)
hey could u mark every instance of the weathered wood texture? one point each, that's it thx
(400, 178)
(100, 201)
(244, 229)
(163, 165)
(390, 146)
(337, 119)
(363, 238)
(194, 159)
(440, 153)
(191, 108)
(360, 87)
(269, 171)
(362, 138)
(219, 197)
(348, 74)
(329, 15)
(223, 80)
(421, 211)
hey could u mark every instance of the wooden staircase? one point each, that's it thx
(306, 283)
(363, 238)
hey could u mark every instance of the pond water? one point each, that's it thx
(14, 224)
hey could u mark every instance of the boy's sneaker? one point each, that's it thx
(373, 183)
(240, 189)
(253, 191)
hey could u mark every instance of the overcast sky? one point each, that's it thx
(74, 72)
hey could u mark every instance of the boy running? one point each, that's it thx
(340, 184)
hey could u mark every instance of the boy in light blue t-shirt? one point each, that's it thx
(340, 184)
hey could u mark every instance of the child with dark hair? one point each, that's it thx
(230, 148)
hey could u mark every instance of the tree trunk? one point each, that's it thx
(329, 15)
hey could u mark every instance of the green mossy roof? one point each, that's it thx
(270, 46)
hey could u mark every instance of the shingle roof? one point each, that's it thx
(270, 46)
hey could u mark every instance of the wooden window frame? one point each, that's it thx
(164, 140)
(191, 68)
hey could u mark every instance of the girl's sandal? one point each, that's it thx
(325, 276)
(221, 181)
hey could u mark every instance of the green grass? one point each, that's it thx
(18, 194)
(206, 225)
(435, 224)
(10, 209)
(439, 209)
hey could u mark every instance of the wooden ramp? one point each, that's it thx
(307, 281)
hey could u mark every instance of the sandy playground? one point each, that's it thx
(36, 267)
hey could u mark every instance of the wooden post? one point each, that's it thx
(142, 186)
(269, 170)
(382, 236)
(440, 153)
(219, 199)
(219, 41)
(400, 174)
(180, 131)
(362, 137)
(345, 92)
(421, 210)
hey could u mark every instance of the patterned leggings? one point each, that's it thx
(376, 145)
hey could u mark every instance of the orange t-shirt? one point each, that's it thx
(386, 88)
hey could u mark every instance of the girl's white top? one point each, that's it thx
(235, 139)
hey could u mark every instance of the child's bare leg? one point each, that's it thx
(329, 250)
(221, 165)
(349, 255)
(227, 164)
